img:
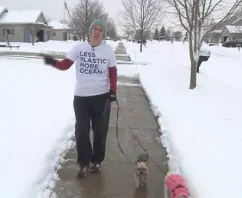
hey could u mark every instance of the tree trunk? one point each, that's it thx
(86, 32)
(140, 48)
(200, 37)
(33, 37)
(193, 74)
(195, 40)
(141, 38)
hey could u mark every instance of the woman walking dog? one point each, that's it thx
(95, 89)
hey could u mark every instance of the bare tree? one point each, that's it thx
(128, 31)
(177, 35)
(193, 16)
(63, 21)
(33, 28)
(112, 30)
(83, 14)
(146, 35)
(142, 15)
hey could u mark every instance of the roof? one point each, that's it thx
(231, 21)
(234, 29)
(217, 31)
(20, 17)
(58, 25)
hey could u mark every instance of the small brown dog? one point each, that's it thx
(142, 170)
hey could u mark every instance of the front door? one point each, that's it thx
(26, 36)
(47, 35)
(64, 36)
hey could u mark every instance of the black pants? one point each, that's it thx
(94, 109)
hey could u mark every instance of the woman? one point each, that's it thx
(96, 82)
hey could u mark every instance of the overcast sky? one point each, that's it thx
(54, 9)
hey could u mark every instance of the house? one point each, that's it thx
(231, 32)
(222, 33)
(61, 31)
(13, 25)
(214, 36)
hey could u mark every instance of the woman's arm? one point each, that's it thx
(64, 64)
(113, 78)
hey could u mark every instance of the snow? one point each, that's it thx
(20, 16)
(57, 25)
(51, 46)
(200, 127)
(36, 125)
(234, 29)
(204, 50)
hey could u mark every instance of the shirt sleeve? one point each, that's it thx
(73, 54)
(112, 59)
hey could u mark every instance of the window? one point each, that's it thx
(53, 34)
(8, 32)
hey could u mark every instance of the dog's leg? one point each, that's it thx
(140, 181)
(137, 181)
(141, 178)
(145, 179)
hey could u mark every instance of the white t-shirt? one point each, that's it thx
(92, 68)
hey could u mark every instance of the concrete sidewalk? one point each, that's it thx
(121, 54)
(116, 177)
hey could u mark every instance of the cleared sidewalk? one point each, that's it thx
(116, 178)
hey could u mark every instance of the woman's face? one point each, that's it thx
(97, 33)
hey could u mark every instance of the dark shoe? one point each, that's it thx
(95, 167)
(83, 171)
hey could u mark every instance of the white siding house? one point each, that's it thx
(13, 23)
(231, 32)
(60, 31)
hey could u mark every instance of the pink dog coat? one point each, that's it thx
(177, 186)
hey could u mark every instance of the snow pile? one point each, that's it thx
(36, 125)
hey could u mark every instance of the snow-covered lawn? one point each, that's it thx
(36, 125)
(202, 127)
